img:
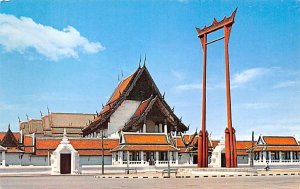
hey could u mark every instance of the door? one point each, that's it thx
(223, 160)
(65, 163)
(195, 159)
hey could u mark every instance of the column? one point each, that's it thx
(157, 157)
(270, 157)
(120, 157)
(264, 153)
(160, 128)
(169, 157)
(259, 156)
(144, 128)
(292, 157)
(165, 129)
(176, 158)
(142, 157)
(128, 157)
(280, 157)
(3, 158)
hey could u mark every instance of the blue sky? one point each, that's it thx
(68, 54)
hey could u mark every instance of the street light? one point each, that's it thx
(102, 148)
(169, 176)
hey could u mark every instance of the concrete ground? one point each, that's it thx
(80, 182)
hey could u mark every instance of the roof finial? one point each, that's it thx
(145, 61)
(41, 113)
(19, 119)
(65, 139)
(27, 117)
(118, 78)
(173, 108)
(9, 126)
(48, 110)
(140, 61)
(163, 95)
(102, 106)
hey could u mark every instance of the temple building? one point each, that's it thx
(277, 150)
(53, 124)
(136, 127)
(136, 105)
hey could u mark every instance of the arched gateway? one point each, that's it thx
(230, 141)
(65, 159)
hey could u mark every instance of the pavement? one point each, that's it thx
(90, 182)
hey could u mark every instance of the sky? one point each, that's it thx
(68, 55)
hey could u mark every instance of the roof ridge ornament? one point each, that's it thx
(140, 61)
(145, 61)
(65, 139)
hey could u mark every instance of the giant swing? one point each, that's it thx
(230, 140)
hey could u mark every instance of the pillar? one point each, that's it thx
(3, 158)
(160, 127)
(144, 128)
(264, 154)
(156, 158)
(142, 157)
(291, 155)
(202, 144)
(231, 160)
(165, 128)
(120, 157)
(280, 157)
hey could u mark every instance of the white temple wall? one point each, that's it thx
(185, 159)
(95, 160)
(12, 159)
(242, 159)
(122, 115)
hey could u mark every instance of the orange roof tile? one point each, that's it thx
(86, 144)
(81, 152)
(16, 134)
(13, 150)
(241, 152)
(243, 145)
(142, 107)
(120, 89)
(28, 141)
(186, 138)
(277, 148)
(145, 139)
(94, 144)
(280, 140)
(116, 95)
(47, 143)
(145, 148)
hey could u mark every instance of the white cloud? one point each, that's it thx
(249, 75)
(23, 34)
(4, 106)
(178, 75)
(286, 84)
(192, 86)
(257, 105)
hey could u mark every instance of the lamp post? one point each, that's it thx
(102, 148)
(169, 164)
(251, 152)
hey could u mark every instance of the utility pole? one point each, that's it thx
(169, 176)
(251, 152)
(102, 152)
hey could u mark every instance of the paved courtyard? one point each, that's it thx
(80, 182)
